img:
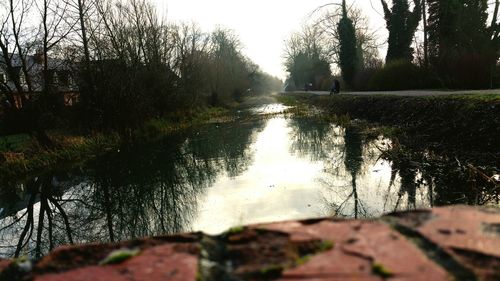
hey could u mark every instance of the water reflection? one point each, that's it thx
(215, 177)
(43, 221)
(314, 139)
(277, 186)
(142, 192)
(353, 161)
(356, 182)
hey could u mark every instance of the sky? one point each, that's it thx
(262, 25)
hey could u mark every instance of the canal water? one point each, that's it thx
(210, 178)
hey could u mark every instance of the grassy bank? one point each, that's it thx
(455, 124)
(21, 156)
(450, 142)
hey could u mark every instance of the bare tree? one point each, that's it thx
(14, 33)
(366, 37)
(129, 65)
(494, 32)
(310, 39)
(306, 58)
(426, 42)
(228, 67)
(27, 63)
(191, 60)
(132, 64)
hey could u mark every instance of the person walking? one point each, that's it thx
(337, 86)
(333, 89)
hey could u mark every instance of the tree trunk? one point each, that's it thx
(426, 43)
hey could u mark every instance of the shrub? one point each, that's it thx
(326, 83)
(397, 75)
(466, 71)
(363, 77)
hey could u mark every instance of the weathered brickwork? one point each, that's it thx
(452, 243)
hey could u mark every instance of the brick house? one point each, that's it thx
(61, 75)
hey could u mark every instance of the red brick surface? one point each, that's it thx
(470, 235)
(464, 228)
(4, 264)
(168, 262)
(467, 237)
(358, 248)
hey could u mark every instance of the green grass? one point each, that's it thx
(119, 256)
(14, 143)
(325, 246)
(288, 100)
(478, 97)
(302, 260)
(272, 270)
(235, 230)
(380, 270)
(32, 160)
(37, 162)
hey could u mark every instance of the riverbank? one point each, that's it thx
(450, 142)
(460, 124)
(429, 134)
(27, 159)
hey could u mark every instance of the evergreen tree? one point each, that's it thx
(401, 24)
(457, 26)
(461, 47)
(348, 54)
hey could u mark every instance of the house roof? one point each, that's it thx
(35, 67)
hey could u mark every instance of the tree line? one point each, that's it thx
(431, 44)
(127, 64)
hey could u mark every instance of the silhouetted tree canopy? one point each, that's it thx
(462, 47)
(401, 24)
(349, 54)
(306, 58)
(126, 64)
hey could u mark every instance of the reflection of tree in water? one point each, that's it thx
(336, 147)
(461, 183)
(346, 159)
(43, 223)
(408, 186)
(446, 180)
(314, 139)
(146, 191)
(226, 144)
(410, 179)
(353, 160)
